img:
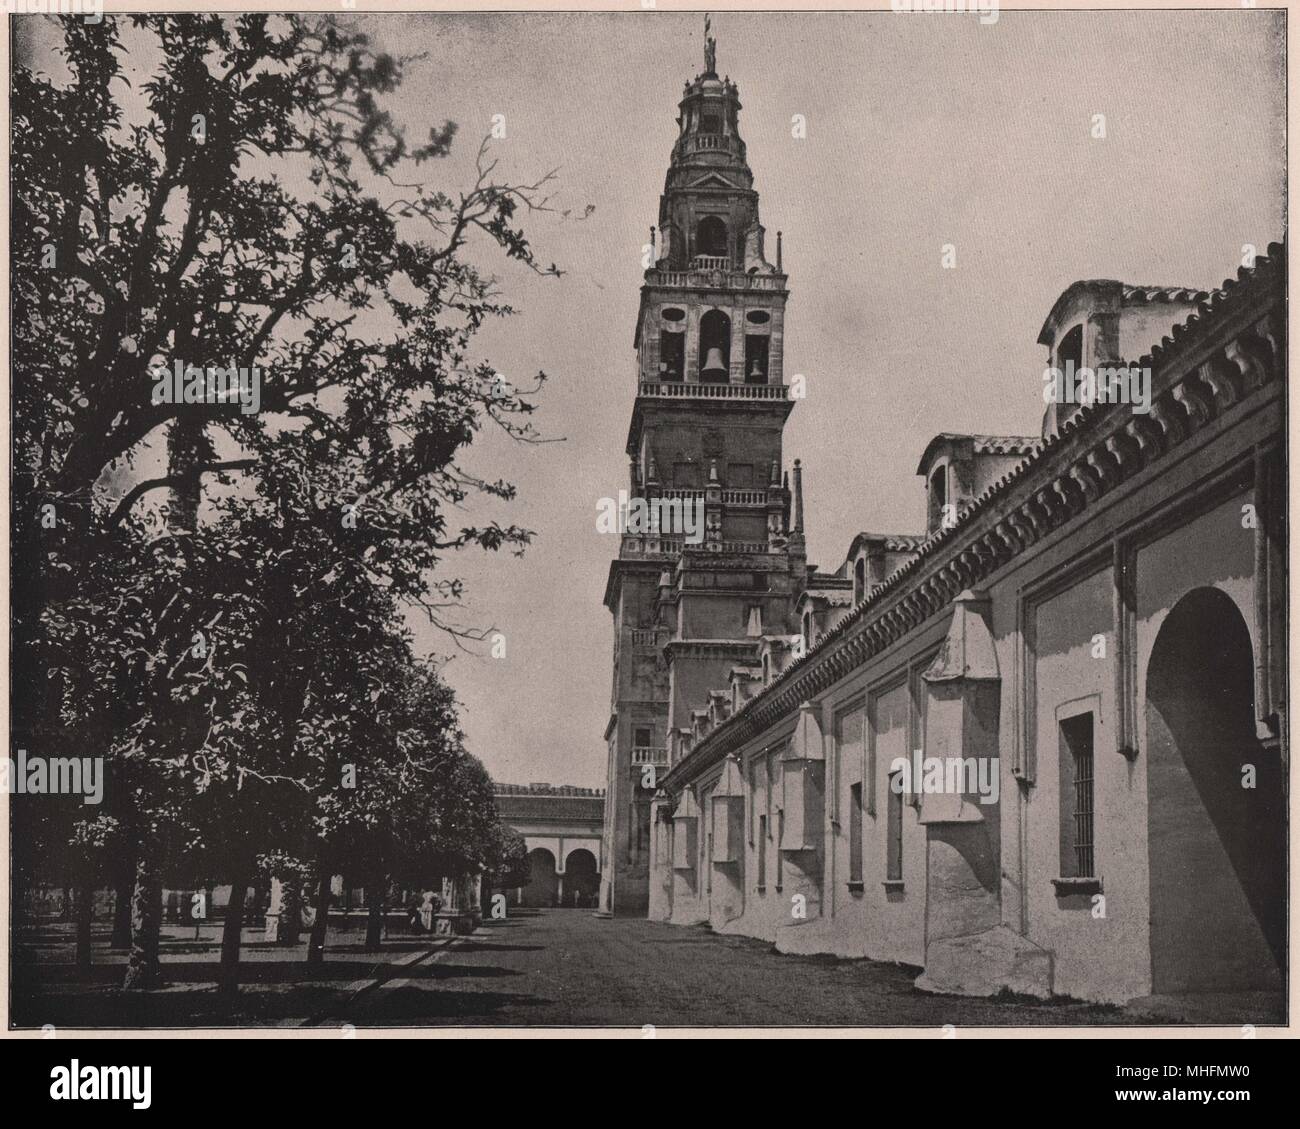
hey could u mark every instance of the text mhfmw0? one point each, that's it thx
(189, 384)
(101, 1083)
(652, 517)
(966, 776)
(53, 776)
(1147, 1073)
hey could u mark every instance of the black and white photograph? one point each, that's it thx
(647, 521)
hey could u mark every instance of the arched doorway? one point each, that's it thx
(581, 879)
(543, 886)
(1217, 849)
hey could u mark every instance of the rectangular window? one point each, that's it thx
(780, 858)
(894, 829)
(855, 834)
(705, 843)
(686, 476)
(762, 851)
(672, 356)
(849, 751)
(742, 525)
(1076, 768)
(771, 772)
(919, 699)
(740, 476)
(753, 797)
(641, 739)
(642, 829)
(888, 738)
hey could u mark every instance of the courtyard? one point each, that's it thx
(548, 967)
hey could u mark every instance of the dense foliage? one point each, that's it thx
(236, 654)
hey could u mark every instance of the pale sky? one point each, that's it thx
(922, 129)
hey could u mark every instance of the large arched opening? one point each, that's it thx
(581, 879)
(715, 348)
(1216, 844)
(543, 884)
(711, 237)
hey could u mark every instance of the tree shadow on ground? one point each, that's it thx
(424, 1005)
(442, 971)
(197, 972)
(175, 1006)
(494, 947)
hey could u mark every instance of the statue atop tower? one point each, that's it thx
(710, 50)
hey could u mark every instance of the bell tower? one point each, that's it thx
(710, 329)
(707, 418)
(713, 307)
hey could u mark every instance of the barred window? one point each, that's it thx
(1077, 806)
(855, 834)
(894, 830)
(780, 857)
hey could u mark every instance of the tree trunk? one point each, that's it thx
(319, 927)
(188, 447)
(142, 970)
(290, 910)
(85, 911)
(375, 918)
(121, 938)
(231, 933)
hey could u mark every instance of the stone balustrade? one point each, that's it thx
(694, 390)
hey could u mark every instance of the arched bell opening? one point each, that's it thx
(715, 348)
(711, 238)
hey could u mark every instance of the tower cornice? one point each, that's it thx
(756, 399)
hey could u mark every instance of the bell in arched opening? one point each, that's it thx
(715, 367)
(715, 352)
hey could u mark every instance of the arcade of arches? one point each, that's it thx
(561, 826)
(578, 885)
